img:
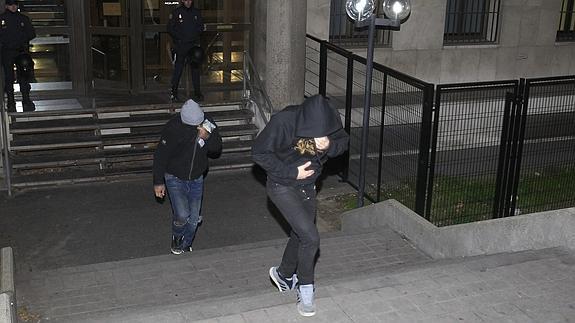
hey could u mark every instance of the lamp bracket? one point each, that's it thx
(384, 23)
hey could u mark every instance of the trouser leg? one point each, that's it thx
(196, 78)
(8, 67)
(298, 206)
(186, 201)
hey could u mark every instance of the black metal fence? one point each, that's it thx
(546, 176)
(401, 106)
(454, 153)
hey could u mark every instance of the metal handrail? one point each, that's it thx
(248, 64)
(210, 45)
(7, 165)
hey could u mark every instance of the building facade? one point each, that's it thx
(452, 41)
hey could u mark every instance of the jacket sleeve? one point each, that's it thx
(29, 29)
(171, 27)
(264, 148)
(200, 24)
(167, 145)
(339, 142)
(214, 142)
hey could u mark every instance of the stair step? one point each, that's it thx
(66, 159)
(129, 121)
(81, 145)
(211, 276)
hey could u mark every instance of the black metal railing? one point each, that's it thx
(471, 22)
(465, 151)
(401, 108)
(454, 153)
(546, 174)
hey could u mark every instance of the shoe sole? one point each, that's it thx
(305, 314)
(177, 252)
(275, 280)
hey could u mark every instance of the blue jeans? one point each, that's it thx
(298, 206)
(186, 200)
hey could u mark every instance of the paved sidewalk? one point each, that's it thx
(523, 287)
(234, 271)
(101, 222)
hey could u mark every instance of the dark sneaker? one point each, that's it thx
(28, 106)
(305, 300)
(177, 245)
(283, 284)
(11, 106)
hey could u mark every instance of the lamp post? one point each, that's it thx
(361, 11)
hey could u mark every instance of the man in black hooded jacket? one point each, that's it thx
(292, 149)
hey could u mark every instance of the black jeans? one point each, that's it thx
(298, 206)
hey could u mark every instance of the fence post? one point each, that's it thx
(347, 116)
(423, 165)
(381, 138)
(322, 68)
(435, 111)
(503, 163)
(519, 138)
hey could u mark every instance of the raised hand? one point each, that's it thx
(303, 173)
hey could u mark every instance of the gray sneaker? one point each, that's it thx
(305, 300)
(281, 283)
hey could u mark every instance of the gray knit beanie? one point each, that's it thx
(191, 113)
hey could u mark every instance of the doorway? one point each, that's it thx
(130, 47)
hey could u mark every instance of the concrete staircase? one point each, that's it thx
(367, 277)
(84, 145)
(101, 290)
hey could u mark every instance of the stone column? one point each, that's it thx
(285, 51)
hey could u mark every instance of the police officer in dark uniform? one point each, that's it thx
(186, 26)
(16, 31)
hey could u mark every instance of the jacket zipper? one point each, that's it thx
(193, 157)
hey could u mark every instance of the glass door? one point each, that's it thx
(225, 38)
(109, 45)
(51, 48)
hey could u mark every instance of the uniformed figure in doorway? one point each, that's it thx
(16, 32)
(186, 26)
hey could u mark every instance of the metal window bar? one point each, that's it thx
(342, 30)
(566, 30)
(471, 22)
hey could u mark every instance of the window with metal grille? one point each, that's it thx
(566, 31)
(343, 33)
(471, 22)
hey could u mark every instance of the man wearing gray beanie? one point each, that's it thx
(180, 163)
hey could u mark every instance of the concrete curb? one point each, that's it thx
(518, 233)
(7, 290)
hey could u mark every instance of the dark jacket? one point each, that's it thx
(185, 25)
(16, 31)
(278, 148)
(175, 151)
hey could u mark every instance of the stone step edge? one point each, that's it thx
(198, 254)
(228, 305)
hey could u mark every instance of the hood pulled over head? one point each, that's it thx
(316, 118)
